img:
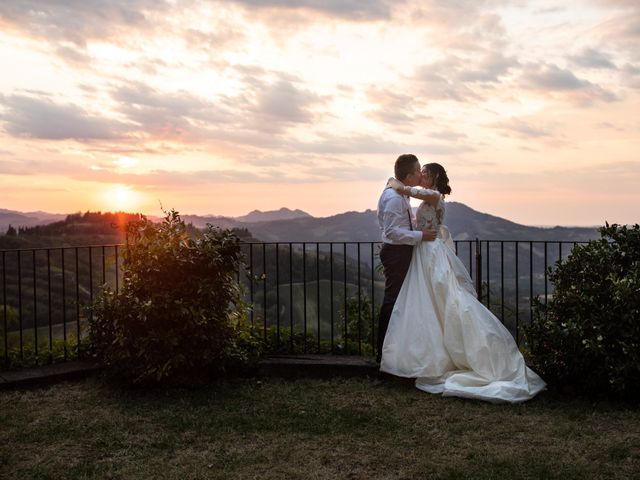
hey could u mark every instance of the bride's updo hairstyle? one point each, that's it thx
(439, 175)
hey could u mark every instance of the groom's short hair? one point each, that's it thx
(405, 165)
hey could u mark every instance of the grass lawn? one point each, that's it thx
(274, 428)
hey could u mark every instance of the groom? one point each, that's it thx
(398, 237)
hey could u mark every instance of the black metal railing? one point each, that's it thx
(43, 296)
(510, 274)
(305, 297)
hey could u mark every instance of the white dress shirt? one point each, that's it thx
(396, 219)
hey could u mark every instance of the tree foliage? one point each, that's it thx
(178, 316)
(588, 335)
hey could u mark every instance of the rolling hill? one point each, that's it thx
(464, 222)
(26, 219)
(286, 225)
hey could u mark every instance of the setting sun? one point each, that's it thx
(121, 197)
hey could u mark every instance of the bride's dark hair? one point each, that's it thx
(439, 175)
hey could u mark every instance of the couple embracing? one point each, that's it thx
(431, 326)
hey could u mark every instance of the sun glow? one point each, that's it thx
(122, 198)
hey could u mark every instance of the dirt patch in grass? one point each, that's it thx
(312, 429)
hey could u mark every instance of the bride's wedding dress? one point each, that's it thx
(440, 334)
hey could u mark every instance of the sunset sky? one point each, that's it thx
(222, 107)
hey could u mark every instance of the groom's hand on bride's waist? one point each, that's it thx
(429, 234)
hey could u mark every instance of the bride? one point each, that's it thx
(439, 333)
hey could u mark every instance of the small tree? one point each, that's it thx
(359, 333)
(178, 314)
(588, 335)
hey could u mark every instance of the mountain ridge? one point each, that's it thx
(26, 219)
(464, 222)
(272, 215)
(285, 225)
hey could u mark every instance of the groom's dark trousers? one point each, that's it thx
(395, 261)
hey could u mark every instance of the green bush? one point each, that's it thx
(12, 319)
(588, 335)
(285, 343)
(359, 325)
(178, 318)
(48, 351)
(59, 351)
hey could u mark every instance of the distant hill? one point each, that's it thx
(219, 221)
(272, 215)
(297, 226)
(97, 228)
(77, 229)
(256, 216)
(26, 219)
(464, 223)
(349, 226)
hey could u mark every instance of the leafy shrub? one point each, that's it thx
(359, 325)
(588, 335)
(11, 318)
(285, 343)
(53, 350)
(284, 340)
(178, 317)
(59, 351)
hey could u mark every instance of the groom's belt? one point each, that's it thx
(396, 245)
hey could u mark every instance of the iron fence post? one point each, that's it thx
(478, 270)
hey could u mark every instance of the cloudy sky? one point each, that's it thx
(222, 107)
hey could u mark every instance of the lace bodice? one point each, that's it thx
(429, 216)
